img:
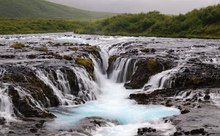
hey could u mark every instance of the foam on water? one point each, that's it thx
(113, 105)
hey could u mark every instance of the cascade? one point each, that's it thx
(6, 107)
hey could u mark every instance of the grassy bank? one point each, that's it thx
(202, 23)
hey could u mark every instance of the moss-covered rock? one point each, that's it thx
(18, 46)
(42, 49)
(87, 64)
(112, 59)
(146, 50)
(74, 48)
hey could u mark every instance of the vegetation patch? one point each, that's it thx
(196, 80)
(87, 63)
(7, 77)
(74, 48)
(152, 64)
(18, 46)
(42, 49)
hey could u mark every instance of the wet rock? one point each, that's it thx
(169, 103)
(2, 121)
(198, 131)
(177, 134)
(33, 130)
(142, 131)
(89, 124)
(197, 76)
(7, 56)
(185, 111)
(145, 69)
(207, 97)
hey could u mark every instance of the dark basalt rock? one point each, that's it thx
(2, 121)
(207, 97)
(145, 69)
(38, 91)
(198, 75)
(25, 106)
(154, 97)
(198, 131)
(142, 131)
(185, 111)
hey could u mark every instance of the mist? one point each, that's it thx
(137, 6)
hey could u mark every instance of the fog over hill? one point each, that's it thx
(134, 6)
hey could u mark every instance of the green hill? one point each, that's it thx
(45, 9)
(200, 23)
(204, 23)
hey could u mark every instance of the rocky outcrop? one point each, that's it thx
(197, 75)
(145, 68)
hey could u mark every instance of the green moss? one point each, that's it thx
(42, 49)
(67, 44)
(112, 59)
(87, 63)
(152, 64)
(74, 48)
(7, 77)
(196, 80)
(18, 46)
(66, 57)
(92, 48)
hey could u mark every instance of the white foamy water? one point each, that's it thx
(113, 104)
(6, 108)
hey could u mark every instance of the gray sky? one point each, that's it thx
(135, 6)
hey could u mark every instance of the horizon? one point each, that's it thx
(128, 6)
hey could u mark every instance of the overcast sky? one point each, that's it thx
(134, 6)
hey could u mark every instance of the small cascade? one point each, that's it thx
(44, 76)
(63, 81)
(160, 80)
(24, 94)
(123, 67)
(88, 88)
(6, 107)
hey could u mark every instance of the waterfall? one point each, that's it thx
(43, 75)
(161, 80)
(120, 69)
(88, 88)
(63, 82)
(6, 107)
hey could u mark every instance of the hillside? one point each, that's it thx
(204, 22)
(199, 23)
(44, 9)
